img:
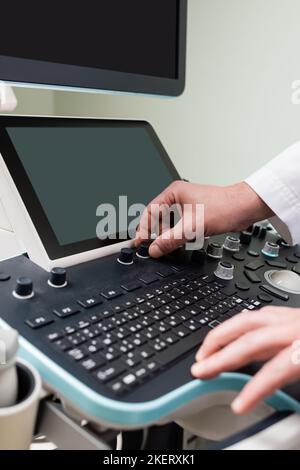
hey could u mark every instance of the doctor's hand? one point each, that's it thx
(226, 209)
(271, 334)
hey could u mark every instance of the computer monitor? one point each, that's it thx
(134, 46)
(56, 172)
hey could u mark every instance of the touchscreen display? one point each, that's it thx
(72, 170)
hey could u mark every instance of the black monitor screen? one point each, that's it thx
(135, 38)
(65, 172)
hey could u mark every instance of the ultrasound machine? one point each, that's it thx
(112, 332)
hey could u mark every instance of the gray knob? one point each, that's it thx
(224, 271)
(271, 250)
(214, 250)
(232, 244)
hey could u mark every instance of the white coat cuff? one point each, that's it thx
(283, 202)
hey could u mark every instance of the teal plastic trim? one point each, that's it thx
(114, 412)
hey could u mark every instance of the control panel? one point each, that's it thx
(128, 326)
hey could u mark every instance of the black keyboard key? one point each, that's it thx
(78, 354)
(149, 278)
(39, 321)
(129, 379)
(153, 365)
(203, 305)
(132, 359)
(170, 338)
(165, 271)
(265, 298)
(70, 329)
(158, 345)
(94, 346)
(145, 352)
(90, 302)
(110, 294)
(81, 324)
(277, 264)
(140, 372)
(173, 321)
(239, 257)
(192, 325)
(243, 286)
(117, 387)
(139, 339)
(229, 291)
(142, 309)
(77, 339)
(252, 277)
(253, 253)
(296, 269)
(270, 290)
(56, 335)
(118, 308)
(66, 311)
(291, 259)
(110, 371)
(63, 344)
(183, 346)
(131, 286)
(255, 265)
(151, 333)
(92, 363)
(110, 354)
(181, 331)
(121, 333)
(214, 324)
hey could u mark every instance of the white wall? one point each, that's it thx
(236, 112)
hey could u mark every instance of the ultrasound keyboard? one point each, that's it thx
(129, 330)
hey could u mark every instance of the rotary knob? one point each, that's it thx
(245, 238)
(215, 250)
(143, 250)
(58, 278)
(126, 256)
(271, 250)
(224, 271)
(24, 288)
(231, 244)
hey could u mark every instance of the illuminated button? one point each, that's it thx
(271, 250)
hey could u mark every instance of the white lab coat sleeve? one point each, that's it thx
(278, 185)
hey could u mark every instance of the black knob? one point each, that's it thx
(263, 233)
(143, 250)
(250, 229)
(256, 230)
(58, 277)
(198, 256)
(245, 238)
(126, 256)
(24, 288)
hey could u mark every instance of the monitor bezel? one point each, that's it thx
(53, 75)
(29, 200)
